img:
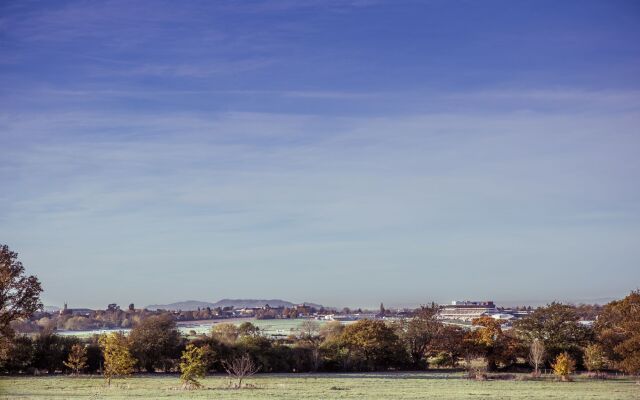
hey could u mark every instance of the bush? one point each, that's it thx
(193, 365)
(564, 366)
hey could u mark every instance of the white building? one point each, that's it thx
(467, 310)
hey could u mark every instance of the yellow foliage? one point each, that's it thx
(117, 358)
(564, 365)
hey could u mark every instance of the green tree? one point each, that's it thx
(117, 358)
(77, 360)
(20, 355)
(50, 351)
(193, 366)
(248, 329)
(155, 342)
(594, 358)
(618, 331)
(558, 327)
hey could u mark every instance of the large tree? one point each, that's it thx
(618, 329)
(155, 342)
(558, 327)
(493, 344)
(373, 345)
(19, 294)
(419, 334)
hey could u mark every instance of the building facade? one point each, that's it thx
(467, 310)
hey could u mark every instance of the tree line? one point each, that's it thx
(549, 337)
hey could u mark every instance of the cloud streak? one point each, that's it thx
(343, 152)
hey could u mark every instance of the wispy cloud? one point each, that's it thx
(326, 142)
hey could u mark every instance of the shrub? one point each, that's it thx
(564, 366)
(117, 359)
(193, 365)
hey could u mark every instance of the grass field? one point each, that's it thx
(337, 386)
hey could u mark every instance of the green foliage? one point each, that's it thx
(558, 327)
(193, 365)
(117, 358)
(155, 342)
(19, 355)
(248, 329)
(50, 351)
(19, 294)
(594, 358)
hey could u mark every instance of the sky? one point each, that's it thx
(342, 152)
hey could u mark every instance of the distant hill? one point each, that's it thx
(188, 305)
(191, 305)
(51, 309)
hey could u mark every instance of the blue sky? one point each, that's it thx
(342, 152)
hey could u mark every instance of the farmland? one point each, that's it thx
(319, 386)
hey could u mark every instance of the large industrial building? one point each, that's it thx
(467, 310)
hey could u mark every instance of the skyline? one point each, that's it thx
(340, 152)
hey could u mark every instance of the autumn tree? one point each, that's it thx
(193, 366)
(419, 333)
(77, 360)
(373, 345)
(226, 333)
(155, 342)
(594, 358)
(117, 358)
(494, 345)
(450, 345)
(618, 330)
(19, 295)
(563, 366)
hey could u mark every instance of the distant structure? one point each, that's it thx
(467, 310)
(75, 311)
(65, 310)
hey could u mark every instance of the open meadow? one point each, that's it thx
(318, 386)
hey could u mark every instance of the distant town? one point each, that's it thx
(113, 317)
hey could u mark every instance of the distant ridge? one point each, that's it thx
(191, 305)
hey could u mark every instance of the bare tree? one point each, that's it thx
(536, 356)
(240, 368)
(309, 329)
